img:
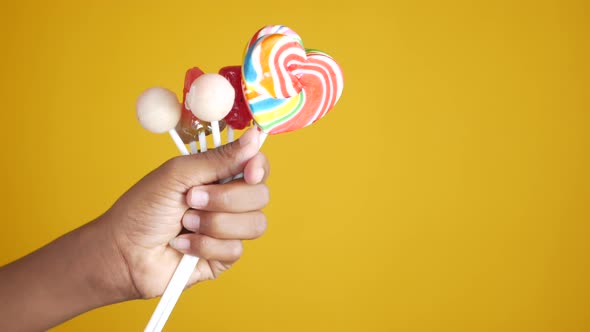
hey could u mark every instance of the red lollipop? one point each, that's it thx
(239, 117)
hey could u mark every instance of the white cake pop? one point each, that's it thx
(210, 97)
(158, 111)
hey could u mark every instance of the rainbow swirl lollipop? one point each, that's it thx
(286, 86)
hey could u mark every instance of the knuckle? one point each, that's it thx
(202, 247)
(213, 158)
(209, 156)
(213, 222)
(224, 198)
(224, 152)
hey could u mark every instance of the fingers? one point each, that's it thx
(214, 165)
(233, 197)
(208, 270)
(257, 169)
(208, 248)
(242, 226)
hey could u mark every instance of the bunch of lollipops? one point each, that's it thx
(280, 87)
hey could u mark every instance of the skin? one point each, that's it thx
(132, 250)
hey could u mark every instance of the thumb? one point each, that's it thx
(217, 164)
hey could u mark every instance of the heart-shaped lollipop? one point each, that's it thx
(286, 86)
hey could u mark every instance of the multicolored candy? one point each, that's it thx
(286, 86)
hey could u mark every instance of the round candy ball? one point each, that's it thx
(210, 97)
(158, 110)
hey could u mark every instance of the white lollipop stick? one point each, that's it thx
(179, 144)
(230, 134)
(193, 146)
(203, 141)
(180, 278)
(216, 133)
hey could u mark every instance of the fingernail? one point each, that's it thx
(248, 137)
(180, 243)
(191, 221)
(198, 198)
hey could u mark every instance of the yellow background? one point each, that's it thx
(447, 191)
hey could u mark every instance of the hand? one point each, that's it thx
(125, 253)
(146, 221)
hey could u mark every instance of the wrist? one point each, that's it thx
(111, 275)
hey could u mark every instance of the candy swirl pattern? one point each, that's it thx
(286, 86)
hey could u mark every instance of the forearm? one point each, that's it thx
(79, 271)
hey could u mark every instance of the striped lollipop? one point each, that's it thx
(286, 86)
